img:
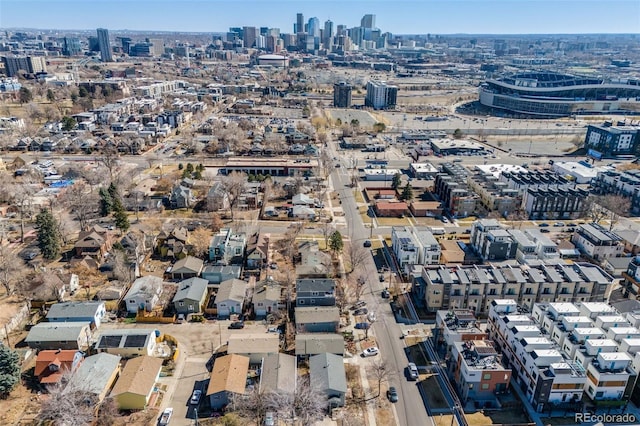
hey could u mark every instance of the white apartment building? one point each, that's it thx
(597, 242)
(414, 246)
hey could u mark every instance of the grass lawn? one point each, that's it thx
(435, 398)
(393, 221)
(359, 197)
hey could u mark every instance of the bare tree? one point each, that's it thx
(110, 159)
(305, 406)
(68, 403)
(199, 240)
(380, 372)
(610, 206)
(11, 269)
(289, 240)
(122, 268)
(327, 230)
(81, 202)
(254, 404)
(356, 256)
(233, 185)
(21, 195)
(108, 412)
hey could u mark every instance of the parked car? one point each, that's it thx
(371, 316)
(236, 325)
(165, 417)
(543, 225)
(381, 278)
(558, 224)
(269, 418)
(195, 397)
(362, 325)
(361, 311)
(385, 294)
(358, 305)
(367, 243)
(572, 224)
(372, 351)
(412, 371)
(392, 394)
(544, 231)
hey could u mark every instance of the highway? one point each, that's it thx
(410, 408)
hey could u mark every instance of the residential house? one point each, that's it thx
(327, 374)
(91, 312)
(278, 373)
(45, 288)
(94, 242)
(315, 292)
(191, 296)
(317, 319)
(181, 197)
(230, 297)
(303, 200)
(266, 298)
(59, 335)
(258, 251)
(227, 247)
(597, 242)
(302, 212)
(144, 294)
(308, 344)
(215, 274)
(127, 342)
(228, 377)
(96, 375)
(314, 263)
(52, 364)
(137, 381)
(254, 346)
(391, 208)
(173, 244)
(217, 198)
(187, 267)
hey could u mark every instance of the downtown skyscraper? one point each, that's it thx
(104, 45)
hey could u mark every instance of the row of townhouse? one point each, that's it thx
(476, 287)
(414, 246)
(566, 355)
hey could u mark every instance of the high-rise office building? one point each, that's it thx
(94, 45)
(125, 42)
(341, 30)
(250, 36)
(342, 95)
(157, 46)
(104, 44)
(328, 34)
(368, 21)
(29, 64)
(380, 95)
(314, 27)
(299, 25)
(72, 46)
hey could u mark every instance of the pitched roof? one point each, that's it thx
(145, 286)
(317, 343)
(327, 372)
(278, 373)
(229, 374)
(56, 331)
(95, 372)
(138, 376)
(91, 240)
(189, 263)
(62, 359)
(258, 243)
(192, 288)
(74, 309)
(267, 291)
(232, 290)
(253, 343)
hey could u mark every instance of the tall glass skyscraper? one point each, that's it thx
(105, 46)
(314, 27)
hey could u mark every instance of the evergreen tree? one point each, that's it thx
(9, 370)
(68, 123)
(407, 193)
(120, 216)
(51, 97)
(397, 181)
(48, 235)
(335, 242)
(189, 168)
(106, 202)
(113, 191)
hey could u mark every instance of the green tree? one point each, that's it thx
(68, 123)
(457, 134)
(24, 95)
(120, 216)
(200, 168)
(9, 371)
(51, 97)
(189, 168)
(180, 166)
(397, 181)
(106, 202)
(335, 242)
(379, 127)
(74, 97)
(197, 174)
(407, 193)
(83, 92)
(48, 234)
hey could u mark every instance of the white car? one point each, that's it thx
(372, 351)
(195, 397)
(371, 317)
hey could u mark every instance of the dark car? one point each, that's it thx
(544, 231)
(543, 225)
(385, 294)
(362, 325)
(361, 311)
(236, 325)
(367, 243)
(392, 394)
(381, 278)
(359, 304)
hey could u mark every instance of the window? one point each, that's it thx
(180, 303)
(485, 386)
(486, 376)
(132, 301)
(301, 301)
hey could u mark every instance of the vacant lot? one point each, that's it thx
(346, 115)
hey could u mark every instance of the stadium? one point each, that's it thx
(549, 94)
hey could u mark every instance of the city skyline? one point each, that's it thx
(401, 17)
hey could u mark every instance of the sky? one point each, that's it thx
(395, 16)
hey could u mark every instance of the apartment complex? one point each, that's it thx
(554, 202)
(609, 140)
(475, 287)
(380, 95)
(597, 345)
(625, 183)
(342, 95)
(491, 241)
(29, 64)
(495, 195)
(104, 45)
(414, 246)
(454, 192)
(595, 241)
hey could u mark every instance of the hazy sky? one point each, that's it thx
(395, 16)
